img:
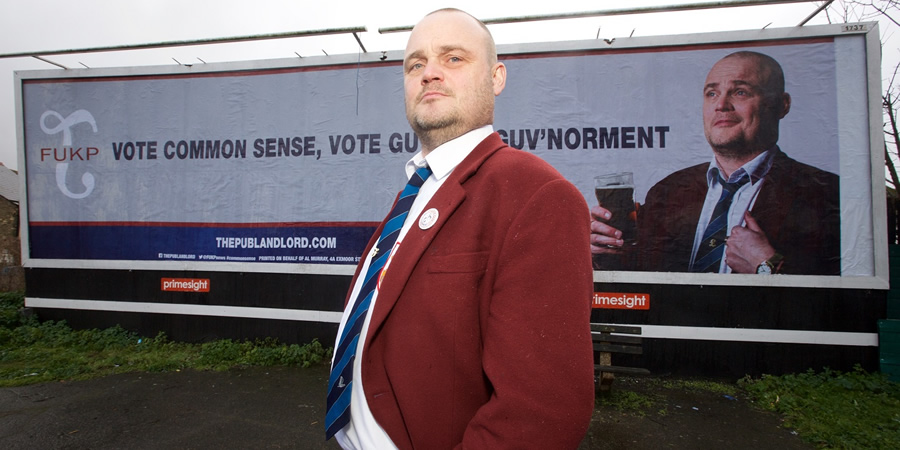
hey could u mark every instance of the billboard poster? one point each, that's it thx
(297, 162)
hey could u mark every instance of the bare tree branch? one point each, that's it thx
(883, 12)
(889, 105)
(858, 11)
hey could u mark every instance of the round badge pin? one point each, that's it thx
(428, 219)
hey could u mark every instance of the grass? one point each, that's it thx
(829, 409)
(629, 401)
(624, 398)
(32, 351)
(714, 387)
(833, 409)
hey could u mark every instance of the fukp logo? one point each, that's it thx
(66, 123)
(69, 153)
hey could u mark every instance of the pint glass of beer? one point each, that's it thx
(615, 192)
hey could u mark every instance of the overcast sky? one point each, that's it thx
(46, 25)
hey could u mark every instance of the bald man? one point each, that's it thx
(752, 209)
(477, 334)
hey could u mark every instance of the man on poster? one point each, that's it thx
(473, 329)
(752, 209)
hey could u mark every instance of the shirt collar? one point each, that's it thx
(757, 168)
(448, 155)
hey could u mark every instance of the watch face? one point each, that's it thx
(764, 268)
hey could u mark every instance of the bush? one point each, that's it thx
(11, 304)
(32, 351)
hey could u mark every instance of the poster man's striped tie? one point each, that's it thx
(712, 248)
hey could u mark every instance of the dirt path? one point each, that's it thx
(282, 408)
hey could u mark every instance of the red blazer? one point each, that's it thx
(480, 336)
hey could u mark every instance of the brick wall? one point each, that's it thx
(12, 276)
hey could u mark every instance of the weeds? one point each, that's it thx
(624, 398)
(829, 409)
(714, 387)
(629, 401)
(33, 351)
(833, 409)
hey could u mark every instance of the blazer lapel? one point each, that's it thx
(446, 200)
(777, 188)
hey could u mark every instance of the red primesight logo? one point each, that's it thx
(185, 284)
(620, 300)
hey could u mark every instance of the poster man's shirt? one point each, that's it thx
(743, 201)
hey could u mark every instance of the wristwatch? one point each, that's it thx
(771, 265)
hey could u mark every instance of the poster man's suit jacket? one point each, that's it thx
(798, 207)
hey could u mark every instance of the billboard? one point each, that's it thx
(288, 166)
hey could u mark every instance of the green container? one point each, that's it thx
(889, 348)
(893, 295)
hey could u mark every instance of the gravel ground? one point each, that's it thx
(283, 407)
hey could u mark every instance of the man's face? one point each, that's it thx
(449, 80)
(740, 118)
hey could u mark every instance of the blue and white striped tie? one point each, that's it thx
(712, 247)
(340, 383)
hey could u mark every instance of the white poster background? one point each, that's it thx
(645, 88)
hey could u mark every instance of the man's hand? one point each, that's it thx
(604, 238)
(747, 247)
